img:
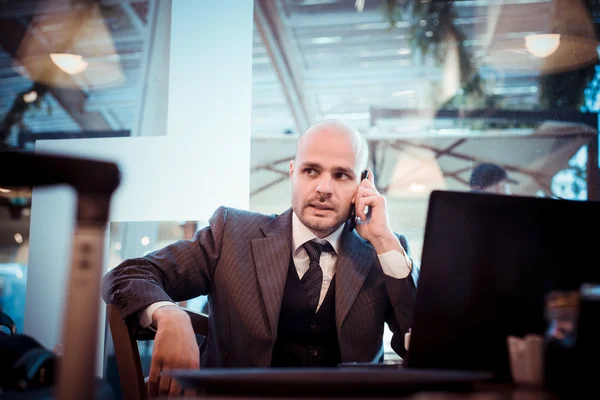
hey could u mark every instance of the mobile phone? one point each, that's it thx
(352, 217)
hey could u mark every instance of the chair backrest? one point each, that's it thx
(131, 375)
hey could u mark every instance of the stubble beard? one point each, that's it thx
(320, 226)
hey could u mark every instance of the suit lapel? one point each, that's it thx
(353, 265)
(272, 258)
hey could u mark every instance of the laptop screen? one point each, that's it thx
(488, 261)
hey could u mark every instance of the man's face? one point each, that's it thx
(324, 178)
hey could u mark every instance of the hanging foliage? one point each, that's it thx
(566, 89)
(28, 100)
(431, 31)
(591, 95)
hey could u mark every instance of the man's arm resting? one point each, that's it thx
(180, 271)
(169, 313)
(175, 347)
(146, 315)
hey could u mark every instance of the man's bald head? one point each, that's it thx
(344, 131)
(325, 174)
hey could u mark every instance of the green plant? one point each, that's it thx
(431, 31)
(20, 107)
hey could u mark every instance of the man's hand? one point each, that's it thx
(175, 347)
(374, 226)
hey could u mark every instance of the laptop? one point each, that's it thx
(488, 262)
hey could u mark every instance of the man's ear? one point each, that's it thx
(291, 168)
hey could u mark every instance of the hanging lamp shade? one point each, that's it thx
(552, 37)
(74, 44)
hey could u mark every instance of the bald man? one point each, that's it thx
(293, 290)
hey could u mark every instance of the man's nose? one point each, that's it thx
(324, 187)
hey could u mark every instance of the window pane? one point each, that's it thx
(436, 88)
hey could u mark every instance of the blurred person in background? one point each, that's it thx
(491, 178)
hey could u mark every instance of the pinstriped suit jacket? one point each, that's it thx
(241, 261)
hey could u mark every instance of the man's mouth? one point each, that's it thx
(321, 207)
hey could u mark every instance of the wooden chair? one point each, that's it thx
(131, 376)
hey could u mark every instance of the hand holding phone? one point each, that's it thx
(352, 217)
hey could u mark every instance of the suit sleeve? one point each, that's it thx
(399, 313)
(180, 271)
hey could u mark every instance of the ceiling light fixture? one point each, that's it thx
(417, 187)
(542, 45)
(561, 38)
(326, 40)
(72, 64)
(90, 51)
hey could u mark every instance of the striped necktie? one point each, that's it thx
(313, 278)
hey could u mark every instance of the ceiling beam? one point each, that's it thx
(272, 164)
(493, 15)
(267, 19)
(268, 185)
(450, 148)
(133, 16)
(399, 144)
(490, 114)
(12, 32)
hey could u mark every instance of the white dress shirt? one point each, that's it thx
(393, 263)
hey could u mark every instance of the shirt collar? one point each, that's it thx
(301, 234)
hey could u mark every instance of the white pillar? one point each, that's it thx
(201, 163)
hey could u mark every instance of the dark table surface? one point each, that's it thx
(480, 392)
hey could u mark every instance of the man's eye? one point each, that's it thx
(341, 176)
(309, 171)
